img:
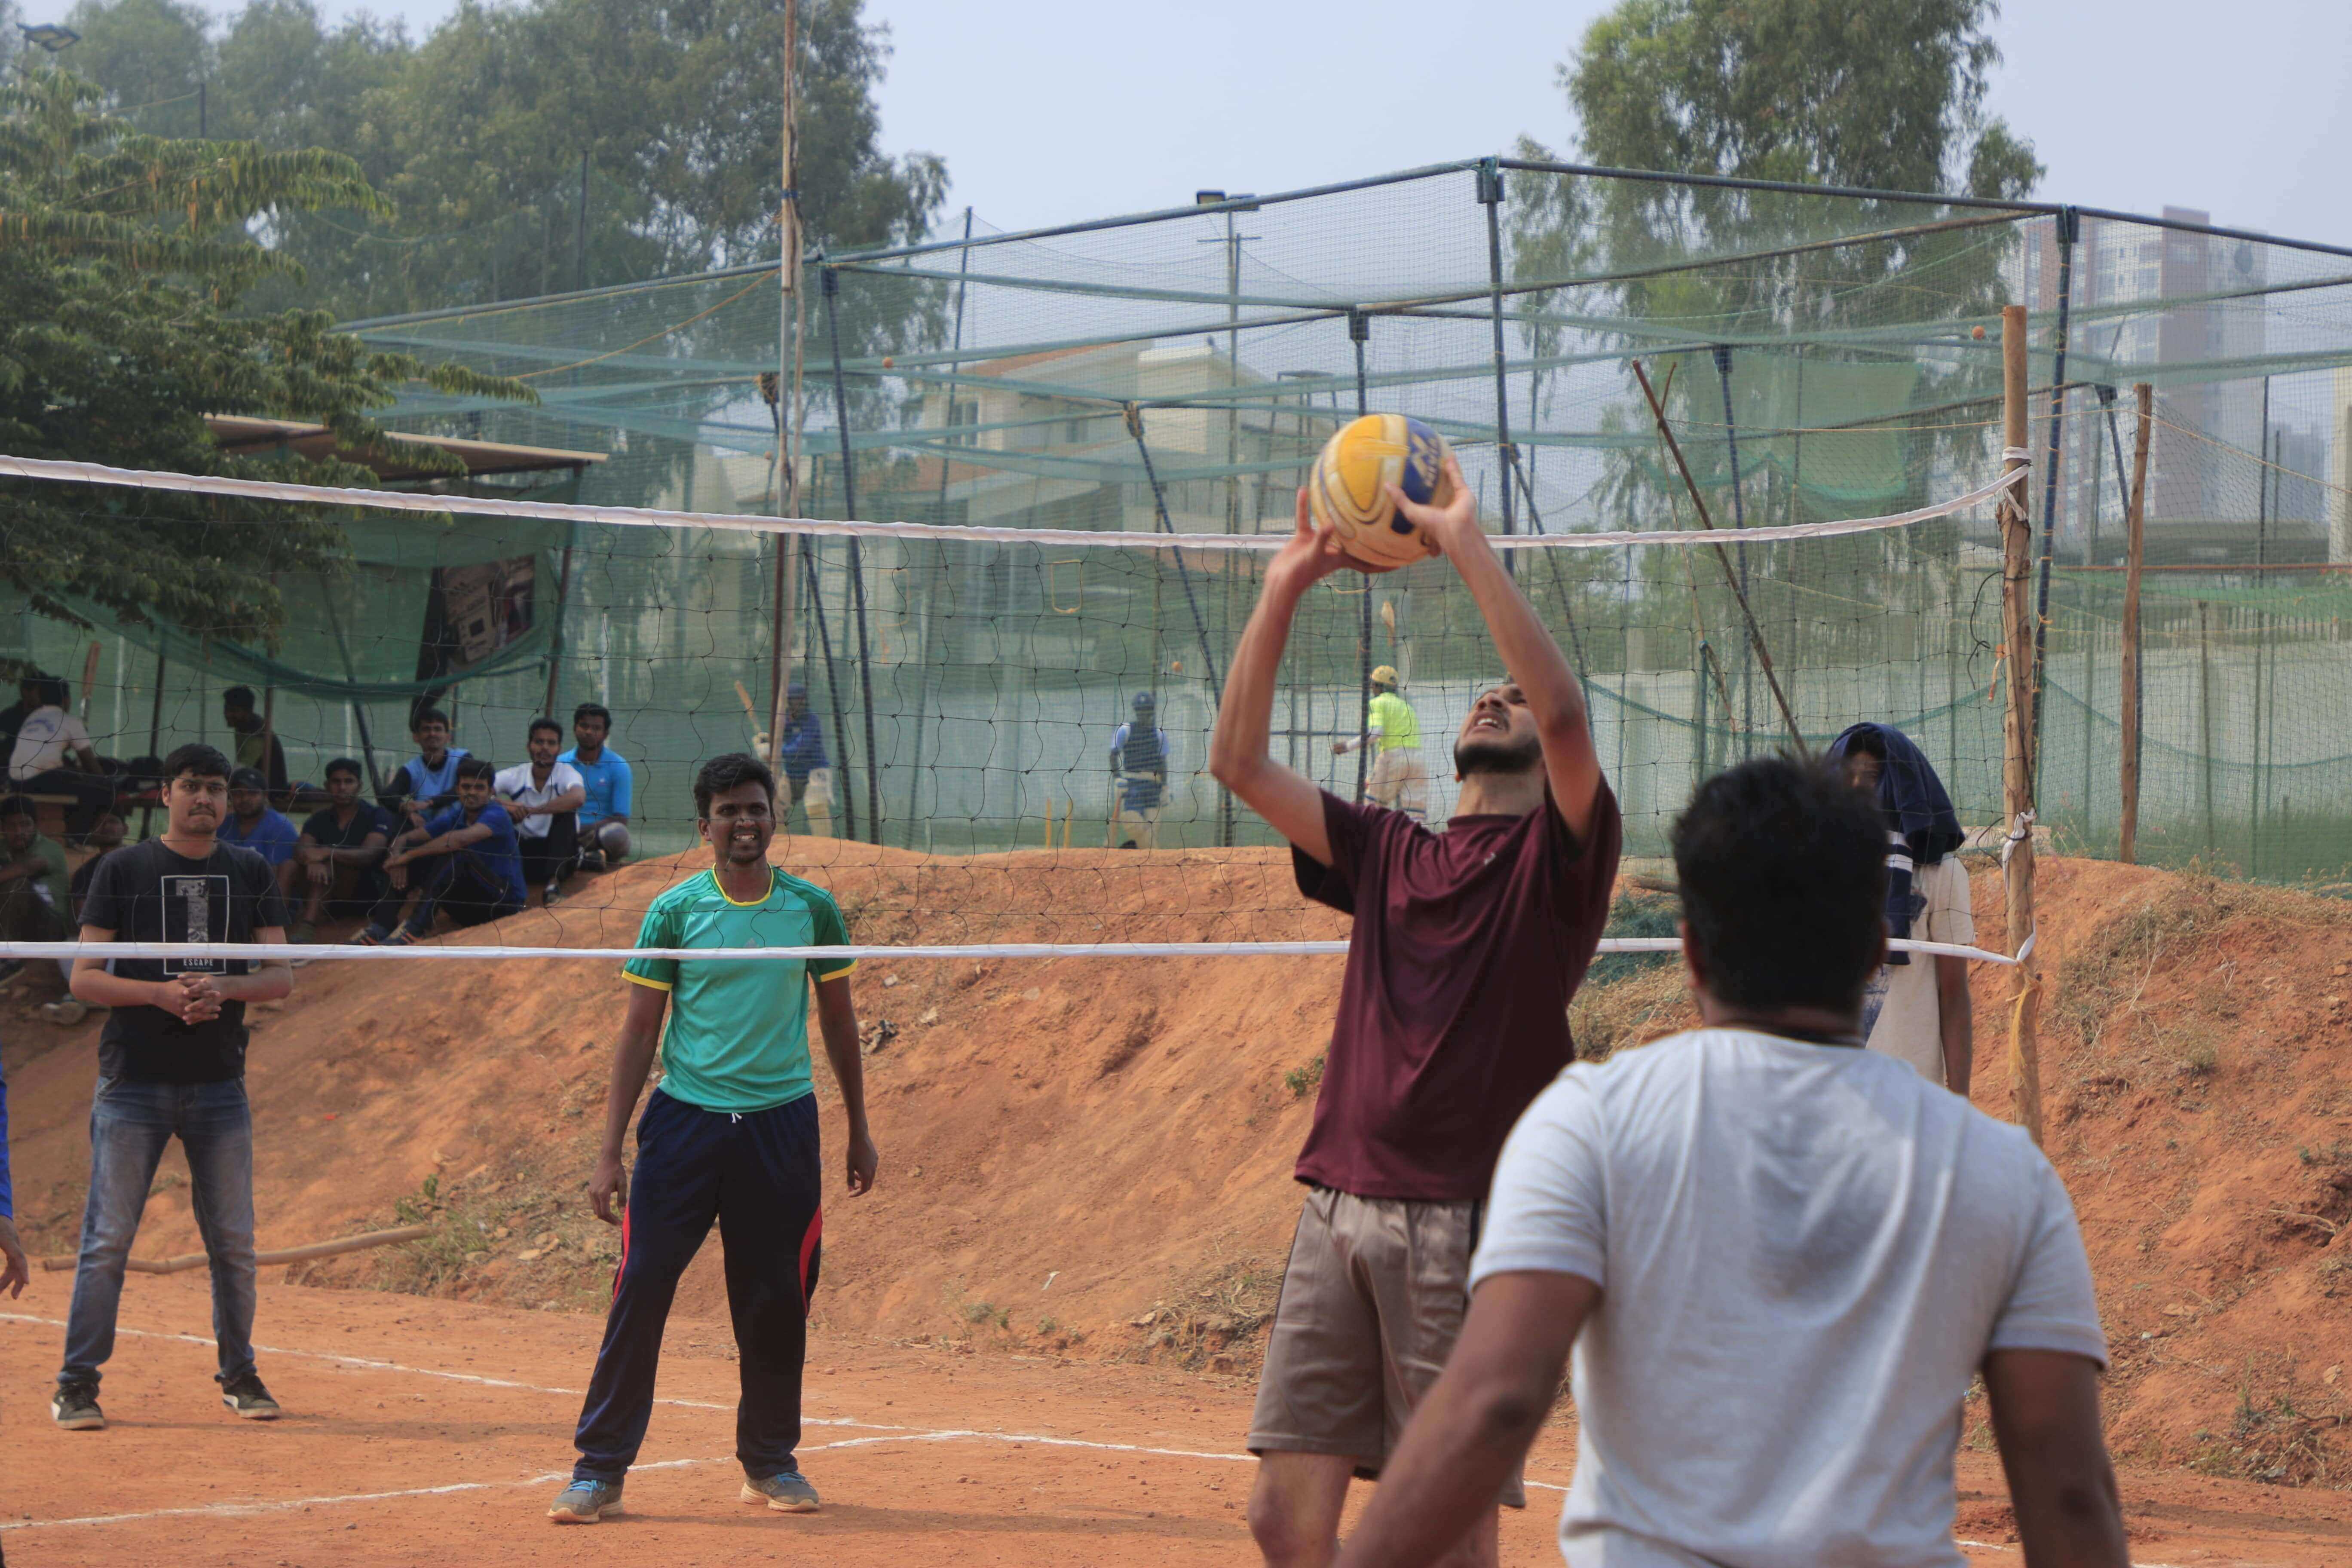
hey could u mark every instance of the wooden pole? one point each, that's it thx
(2134, 543)
(188, 1260)
(2017, 727)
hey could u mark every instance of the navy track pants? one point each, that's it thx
(759, 1174)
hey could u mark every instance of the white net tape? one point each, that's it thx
(633, 517)
(306, 952)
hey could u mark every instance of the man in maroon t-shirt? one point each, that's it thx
(1453, 1014)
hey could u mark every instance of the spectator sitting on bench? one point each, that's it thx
(255, 823)
(427, 782)
(253, 739)
(12, 717)
(53, 756)
(33, 890)
(340, 858)
(604, 815)
(462, 862)
(105, 838)
(543, 797)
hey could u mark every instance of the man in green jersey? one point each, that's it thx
(730, 1134)
(1397, 780)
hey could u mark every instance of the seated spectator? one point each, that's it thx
(12, 717)
(253, 739)
(604, 815)
(427, 782)
(33, 885)
(53, 756)
(106, 838)
(253, 823)
(543, 797)
(340, 858)
(462, 862)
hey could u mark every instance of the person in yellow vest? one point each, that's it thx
(1397, 779)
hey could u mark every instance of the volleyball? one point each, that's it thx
(1348, 491)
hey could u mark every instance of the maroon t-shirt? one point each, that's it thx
(1454, 1011)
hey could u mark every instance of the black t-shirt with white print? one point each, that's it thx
(144, 892)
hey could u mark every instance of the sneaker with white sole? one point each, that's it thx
(586, 1502)
(248, 1398)
(74, 1406)
(787, 1492)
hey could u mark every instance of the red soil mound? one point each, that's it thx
(1094, 1155)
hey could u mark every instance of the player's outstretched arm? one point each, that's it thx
(836, 1019)
(1554, 694)
(2045, 1418)
(1238, 752)
(633, 1058)
(1480, 1415)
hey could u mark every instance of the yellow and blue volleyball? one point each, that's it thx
(1347, 492)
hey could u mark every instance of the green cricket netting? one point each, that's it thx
(1818, 356)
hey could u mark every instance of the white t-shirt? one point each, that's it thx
(43, 740)
(514, 783)
(1804, 1252)
(1909, 1022)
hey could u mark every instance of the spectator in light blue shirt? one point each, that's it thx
(253, 823)
(429, 779)
(605, 814)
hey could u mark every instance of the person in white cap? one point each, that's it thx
(1397, 780)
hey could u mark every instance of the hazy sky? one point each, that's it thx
(1054, 110)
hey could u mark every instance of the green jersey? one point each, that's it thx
(738, 1033)
(1392, 716)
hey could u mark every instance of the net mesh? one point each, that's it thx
(1816, 357)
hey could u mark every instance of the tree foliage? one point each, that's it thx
(476, 135)
(124, 260)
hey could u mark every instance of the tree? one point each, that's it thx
(475, 136)
(124, 259)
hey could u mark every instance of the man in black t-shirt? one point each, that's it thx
(340, 856)
(171, 1065)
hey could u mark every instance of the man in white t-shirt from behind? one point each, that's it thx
(1780, 1260)
(543, 797)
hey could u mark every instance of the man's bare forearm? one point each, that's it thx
(633, 1059)
(837, 1026)
(267, 982)
(1528, 653)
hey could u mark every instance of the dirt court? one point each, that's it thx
(433, 1431)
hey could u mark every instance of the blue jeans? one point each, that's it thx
(129, 1123)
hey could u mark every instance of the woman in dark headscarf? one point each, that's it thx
(1919, 1012)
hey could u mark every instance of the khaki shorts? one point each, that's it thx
(1398, 781)
(1372, 1301)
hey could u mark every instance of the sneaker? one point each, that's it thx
(591, 859)
(65, 1015)
(74, 1406)
(585, 1503)
(787, 1492)
(248, 1398)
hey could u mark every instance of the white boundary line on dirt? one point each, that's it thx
(886, 1434)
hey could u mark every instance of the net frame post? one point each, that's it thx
(2069, 221)
(856, 566)
(1490, 196)
(1359, 332)
(2135, 547)
(2017, 727)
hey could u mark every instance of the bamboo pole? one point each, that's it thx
(2017, 727)
(188, 1260)
(2135, 548)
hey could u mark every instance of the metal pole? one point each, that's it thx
(580, 245)
(930, 593)
(1740, 552)
(2070, 229)
(1359, 332)
(788, 266)
(832, 678)
(1490, 193)
(856, 561)
(2135, 540)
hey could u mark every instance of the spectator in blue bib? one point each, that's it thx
(254, 825)
(1138, 773)
(464, 862)
(604, 774)
(808, 770)
(427, 781)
